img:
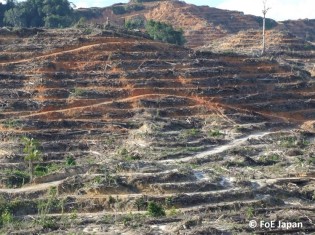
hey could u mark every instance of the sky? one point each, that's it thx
(280, 9)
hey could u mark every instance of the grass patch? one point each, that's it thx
(127, 156)
(269, 159)
(16, 178)
(189, 133)
(215, 133)
(293, 142)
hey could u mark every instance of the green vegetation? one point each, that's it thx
(120, 10)
(190, 133)
(134, 24)
(269, 159)
(169, 202)
(32, 154)
(133, 220)
(270, 23)
(293, 141)
(215, 133)
(16, 178)
(40, 170)
(173, 211)
(39, 13)
(140, 1)
(6, 216)
(11, 123)
(70, 161)
(5, 7)
(82, 23)
(250, 211)
(141, 203)
(47, 206)
(155, 210)
(77, 92)
(164, 32)
(288, 142)
(127, 155)
(311, 160)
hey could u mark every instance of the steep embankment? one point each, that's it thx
(211, 137)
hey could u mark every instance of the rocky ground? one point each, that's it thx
(214, 139)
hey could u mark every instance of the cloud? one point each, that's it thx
(280, 9)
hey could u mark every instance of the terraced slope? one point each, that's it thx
(285, 46)
(201, 24)
(303, 29)
(213, 138)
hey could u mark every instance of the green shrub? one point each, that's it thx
(120, 10)
(141, 1)
(49, 223)
(270, 23)
(78, 91)
(40, 170)
(134, 7)
(127, 155)
(173, 211)
(164, 32)
(169, 201)
(134, 24)
(57, 21)
(111, 200)
(82, 23)
(190, 133)
(215, 133)
(288, 142)
(16, 178)
(311, 160)
(141, 203)
(6, 217)
(155, 210)
(269, 159)
(250, 211)
(70, 161)
(11, 123)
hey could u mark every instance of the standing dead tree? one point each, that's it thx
(264, 11)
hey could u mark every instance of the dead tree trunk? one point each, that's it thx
(265, 10)
(31, 170)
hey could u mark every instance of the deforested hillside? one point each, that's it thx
(141, 137)
(283, 46)
(304, 29)
(201, 24)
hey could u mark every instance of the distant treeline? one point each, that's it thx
(60, 14)
(37, 13)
